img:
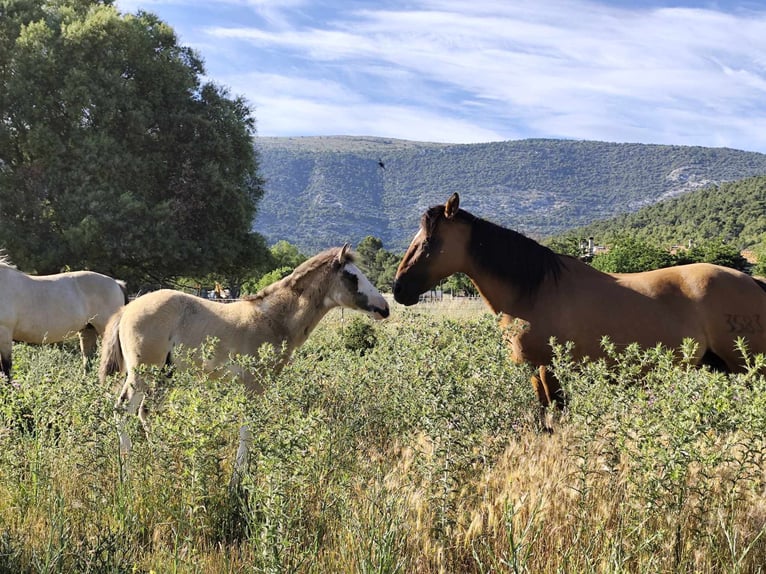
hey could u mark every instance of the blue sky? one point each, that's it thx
(465, 71)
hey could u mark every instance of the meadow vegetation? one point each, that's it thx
(415, 451)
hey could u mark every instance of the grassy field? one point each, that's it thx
(416, 450)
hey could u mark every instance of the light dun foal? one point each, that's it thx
(146, 331)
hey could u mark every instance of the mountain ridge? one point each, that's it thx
(326, 190)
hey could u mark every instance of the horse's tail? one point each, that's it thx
(112, 360)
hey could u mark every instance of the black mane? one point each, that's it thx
(505, 253)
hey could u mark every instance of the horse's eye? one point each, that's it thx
(425, 249)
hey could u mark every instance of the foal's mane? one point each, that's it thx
(294, 281)
(503, 252)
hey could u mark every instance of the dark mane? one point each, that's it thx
(324, 259)
(503, 252)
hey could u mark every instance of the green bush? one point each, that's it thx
(422, 454)
(359, 336)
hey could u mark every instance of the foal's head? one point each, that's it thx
(349, 287)
(438, 250)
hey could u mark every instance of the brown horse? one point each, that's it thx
(541, 295)
(148, 330)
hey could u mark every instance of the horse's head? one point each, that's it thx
(353, 290)
(436, 252)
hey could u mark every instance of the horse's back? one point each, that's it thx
(721, 303)
(734, 305)
(149, 324)
(102, 294)
(153, 324)
(710, 304)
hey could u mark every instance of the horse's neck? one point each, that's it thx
(499, 295)
(502, 295)
(296, 315)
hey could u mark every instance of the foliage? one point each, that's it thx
(733, 213)
(376, 263)
(714, 251)
(359, 335)
(459, 284)
(254, 286)
(285, 254)
(419, 456)
(630, 255)
(568, 245)
(325, 190)
(114, 155)
(759, 250)
(282, 259)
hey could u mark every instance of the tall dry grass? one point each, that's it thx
(418, 454)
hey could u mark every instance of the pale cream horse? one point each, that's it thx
(52, 308)
(146, 331)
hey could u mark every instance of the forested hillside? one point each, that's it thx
(321, 191)
(734, 212)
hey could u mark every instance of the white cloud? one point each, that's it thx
(486, 69)
(287, 105)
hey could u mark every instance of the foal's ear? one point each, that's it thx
(343, 254)
(452, 205)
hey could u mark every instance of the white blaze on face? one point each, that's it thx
(360, 293)
(415, 241)
(367, 289)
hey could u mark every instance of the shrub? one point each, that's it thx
(359, 336)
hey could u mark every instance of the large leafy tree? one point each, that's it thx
(114, 155)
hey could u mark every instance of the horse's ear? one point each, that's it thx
(452, 205)
(343, 254)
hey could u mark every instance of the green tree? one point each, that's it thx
(114, 156)
(387, 263)
(367, 250)
(285, 254)
(567, 245)
(283, 257)
(252, 286)
(631, 255)
(459, 283)
(376, 263)
(759, 250)
(717, 252)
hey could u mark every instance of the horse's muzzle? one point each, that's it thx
(403, 295)
(380, 313)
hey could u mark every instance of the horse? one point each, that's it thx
(283, 315)
(52, 308)
(540, 294)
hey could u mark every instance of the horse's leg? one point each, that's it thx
(130, 401)
(243, 457)
(143, 415)
(549, 393)
(6, 343)
(88, 343)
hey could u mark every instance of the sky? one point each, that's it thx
(467, 71)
